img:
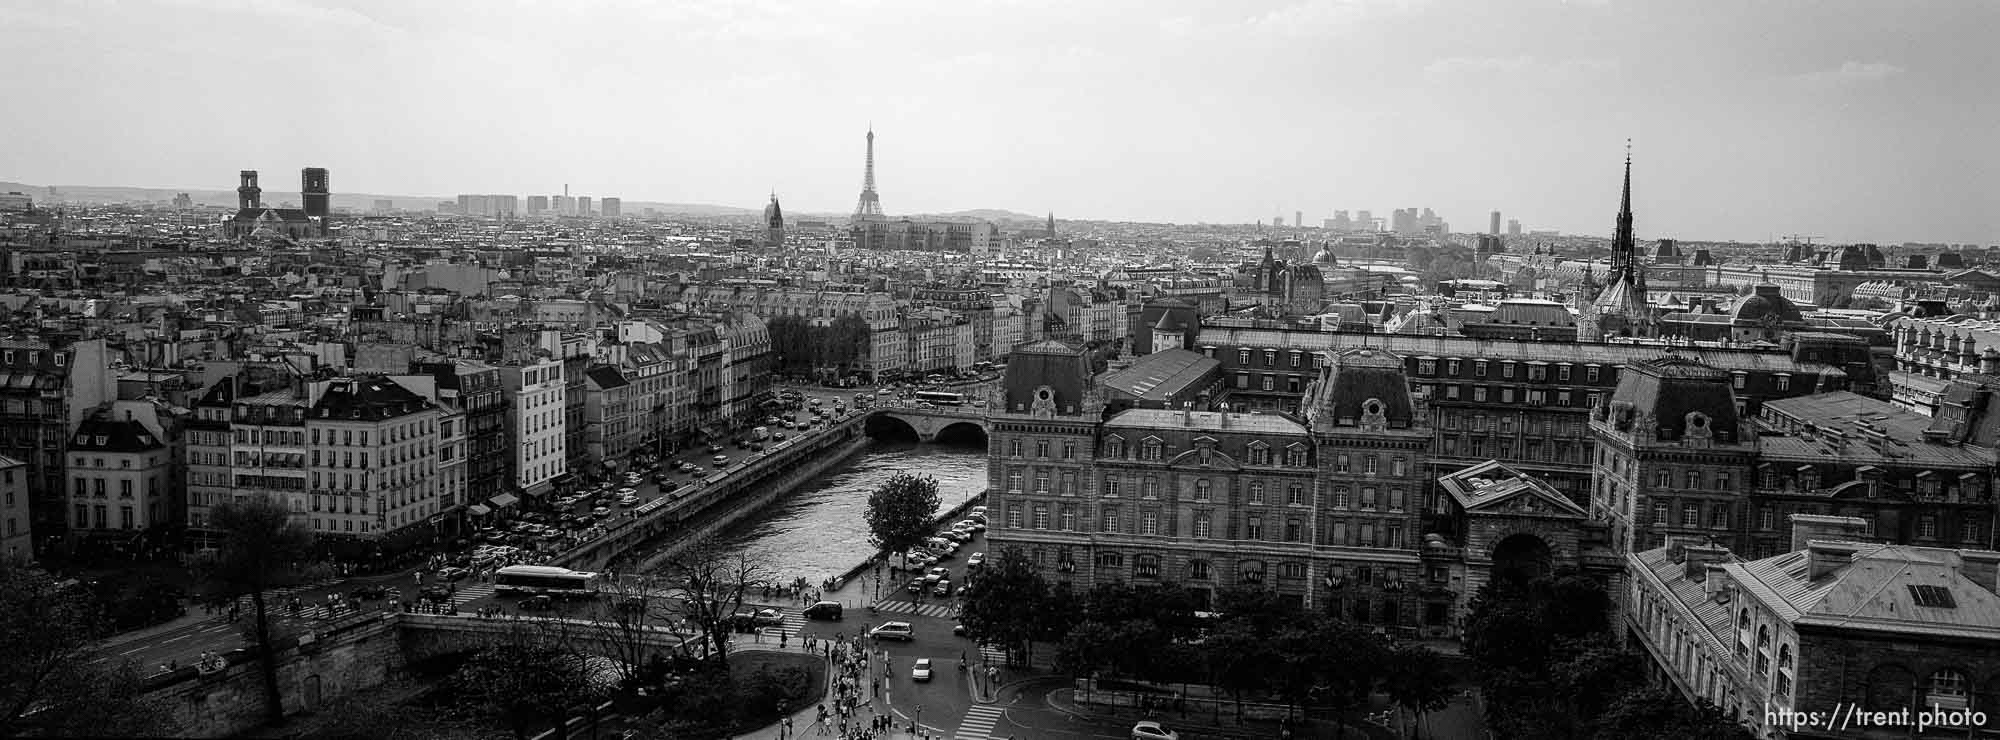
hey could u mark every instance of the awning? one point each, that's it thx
(505, 500)
(479, 510)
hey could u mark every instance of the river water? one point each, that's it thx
(818, 531)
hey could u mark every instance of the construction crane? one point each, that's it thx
(1801, 238)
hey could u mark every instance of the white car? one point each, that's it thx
(922, 670)
(894, 631)
(1150, 730)
(623, 492)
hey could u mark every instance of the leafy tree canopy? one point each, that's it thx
(900, 510)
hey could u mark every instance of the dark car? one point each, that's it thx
(369, 593)
(827, 610)
(540, 602)
(669, 485)
(437, 593)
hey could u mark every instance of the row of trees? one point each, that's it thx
(800, 347)
(1551, 668)
(1255, 646)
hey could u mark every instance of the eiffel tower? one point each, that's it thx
(869, 208)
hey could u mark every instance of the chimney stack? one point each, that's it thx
(1809, 527)
(1981, 567)
(1697, 558)
(1826, 556)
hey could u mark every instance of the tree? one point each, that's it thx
(1417, 681)
(900, 511)
(524, 680)
(1657, 713)
(714, 579)
(260, 548)
(49, 683)
(1008, 604)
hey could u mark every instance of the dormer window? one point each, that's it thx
(1260, 453)
(1114, 447)
(1295, 456)
(1150, 450)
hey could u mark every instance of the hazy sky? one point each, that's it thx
(1750, 118)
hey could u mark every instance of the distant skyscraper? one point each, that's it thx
(774, 225)
(612, 207)
(1298, 219)
(537, 204)
(313, 193)
(583, 206)
(1494, 229)
(248, 195)
(564, 205)
(1365, 221)
(1513, 227)
(869, 207)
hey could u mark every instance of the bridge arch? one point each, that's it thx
(963, 432)
(886, 427)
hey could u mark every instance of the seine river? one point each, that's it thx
(818, 532)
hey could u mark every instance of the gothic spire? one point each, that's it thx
(1622, 249)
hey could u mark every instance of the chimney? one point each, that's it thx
(1981, 567)
(1697, 558)
(1187, 413)
(1224, 416)
(1809, 527)
(1826, 556)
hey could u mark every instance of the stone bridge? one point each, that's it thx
(425, 636)
(929, 423)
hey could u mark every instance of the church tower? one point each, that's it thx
(248, 195)
(1621, 310)
(774, 225)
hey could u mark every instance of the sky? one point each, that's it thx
(1749, 119)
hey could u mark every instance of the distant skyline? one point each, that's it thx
(1847, 120)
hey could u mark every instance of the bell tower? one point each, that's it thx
(248, 195)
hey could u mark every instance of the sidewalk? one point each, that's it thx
(802, 720)
(1205, 725)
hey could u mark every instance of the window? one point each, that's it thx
(1112, 484)
(1253, 528)
(1110, 560)
(1340, 497)
(1146, 566)
(1784, 682)
(1451, 367)
(1201, 526)
(1267, 382)
(1014, 516)
(1784, 382)
(1295, 531)
(1257, 493)
(1694, 480)
(1069, 450)
(1968, 532)
(1340, 464)
(1946, 688)
(1014, 479)
(1114, 447)
(1149, 522)
(1198, 570)
(1562, 373)
(1367, 498)
(1718, 517)
(1151, 451)
(1295, 494)
(1371, 464)
(1766, 519)
(1426, 367)
(1763, 655)
(1066, 520)
(1690, 515)
(1243, 357)
(1149, 487)
(1201, 492)
(1253, 571)
(1042, 448)
(1659, 512)
(1291, 570)
(1479, 393)
(1108, 520)
(1506, 369)
(1295, 457)
(1041, 481)
(1479, 368)
(1260, 454)
(1013, 448)
(1041, 516)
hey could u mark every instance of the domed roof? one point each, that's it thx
(1325, 258)
(1767, 304)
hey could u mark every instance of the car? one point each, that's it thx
(943, 588)
(960, 630)
(720, 460)
(1150, 730)
(601, 512)
(685, 467)
(538, 602)
(755, 447)
(936, 574)
(959, 536)
(436, 593)
(916, 586)
(828, 610)
(369, 593)
(894, 631)
(814, 401)
(628, 502)
(668, 485)
(921, 671)
(977, 559)
(453, 573)
(767, 617)
(714, 448)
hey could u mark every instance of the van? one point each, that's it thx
(827, 610)
(760, 434)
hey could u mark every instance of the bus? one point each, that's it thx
(940, 398)
(543, 579)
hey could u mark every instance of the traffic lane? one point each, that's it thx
(947, 696)
(1028, 714)
(187, 642)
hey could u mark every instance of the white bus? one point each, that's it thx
(543, 579)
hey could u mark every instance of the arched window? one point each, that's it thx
(1253, 571)
(1743, 634)
(1763, 651)
(1110, 560)
(1783, 685)
(1146, 566)
(1946, 688)
(1198, 570)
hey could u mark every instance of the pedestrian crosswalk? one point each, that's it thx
(941, 611)
(979, 722)
(471, 592)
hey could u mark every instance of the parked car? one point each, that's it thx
(828, 610)
(936, 574)
(1150, 730)
(921, 671)
(720, 460)
(768, 617)
(601, 512)
(714, 448)
(977, 559)
(943, 588)
(894, 631)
